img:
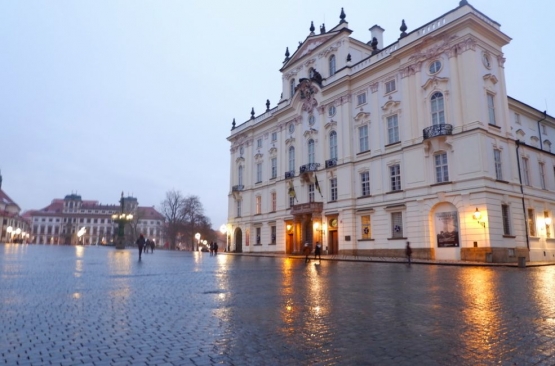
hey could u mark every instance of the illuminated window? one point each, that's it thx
(531, 222)
(396, 224)
(365, 227)
(505, 214)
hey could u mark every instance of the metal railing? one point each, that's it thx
(437, 130)
(311, 167)
(237, 188)
(331, 162)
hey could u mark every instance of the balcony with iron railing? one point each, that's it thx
(310, 167)
(290, 174)
(237, 188)
(437, 130)
(331, 162)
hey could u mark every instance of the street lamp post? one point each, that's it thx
(9, 230)
(197, 236)
(223, 230)
(80, 234)
(121, 219)
(17, 231)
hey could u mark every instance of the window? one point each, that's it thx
(438, 110)
(310, 151)
(258, 205)
(258, 238)
(361, 99)
(435, 67)
(497, 161)
(390, 86)
(331, 111)
(365, 182)
(258, 172)
(547, 222)
(363, 138)
(240, 175)
(311, 120)
(542, 175)
(442, 171)
(291, 159)
(259, 143)
(531, 222)
(395, 175)
(333, 189)
(366, 228)
(274, 136)
(525, 176)
(311, 193)
(274, 202)
(291, 201)
(291, 88)
(396, 225)
(333, 145)
(239, 204)
(544, 129)
(491, 110)
(392, 129)
(506, 222)
(332, 65)
(517, 118)
(273, 232)
(274, 168)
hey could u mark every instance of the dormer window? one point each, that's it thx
(332, 65)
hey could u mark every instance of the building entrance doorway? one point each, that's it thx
(238, 241)
(333, 243)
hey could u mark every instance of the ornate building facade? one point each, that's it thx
(371, 147)
(61, 221)
(13, 226)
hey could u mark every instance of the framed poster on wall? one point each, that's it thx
(447, 229)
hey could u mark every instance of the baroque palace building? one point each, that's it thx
(60, 222)
(14, 228)
(371, 147)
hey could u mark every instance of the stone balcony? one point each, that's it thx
(311, 167)
(437, 130)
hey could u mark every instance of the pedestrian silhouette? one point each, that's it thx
(318, 251)
(408, 252)
(141, 244)
(306, 251)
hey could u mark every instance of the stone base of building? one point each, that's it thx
(494, 254)
(417, 253)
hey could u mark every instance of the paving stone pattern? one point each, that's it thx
(64, 305)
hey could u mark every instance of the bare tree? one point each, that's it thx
(172, 209)
(194, 220)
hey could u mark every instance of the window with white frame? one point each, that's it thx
(395, 176)
(497, 162)
(333, 145)
(437, 109)
(274, 136)
(392, 129)
(361, 99)
(333, 189)
(542, 174)
(274, 201)
(311, 151)
(491, 109)
(366, 228)
(291, 201)
(240, 175)
(363, 138)
(258, 172)
(505, 215)
(258, 205)
(258, 235)
(239, 204)
(292, 159)
(259, 143)
(390, 86)
(517, 118)
(442, 168)
(274, 168)
(273, 232)
(365, 183)
(291, 88)
(525, 171)
(396, 224)
(547, 222)
(332, 65)
(311, 193)
(531, 222)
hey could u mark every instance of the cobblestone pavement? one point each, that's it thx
(63, 305)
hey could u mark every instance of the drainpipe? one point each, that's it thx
(522, 194)
(539, 131)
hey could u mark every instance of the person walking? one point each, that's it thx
(408, 252)
(306, 251)
(141, 244)
(215, 248)
(211, 248)
(318, 251)
(151, 245)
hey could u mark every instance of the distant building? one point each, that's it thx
(59, 222)
(13, 227)
(373, 146)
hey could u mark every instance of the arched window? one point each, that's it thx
(291, 159)
(240, 175)
(333, 145)
(438, 110)
(332, 65)
(310, 151)
(292, 88)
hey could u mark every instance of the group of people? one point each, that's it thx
(308, 249)
(144, 244)
(213, 248)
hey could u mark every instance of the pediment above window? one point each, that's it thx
(289, 141)
(520, 132)
(534, 141)
(490, 77)
(240, 159)
(330, 124)
(272, 151)
(434, 82)
(362, 116)
(258, 156)
(310, 132)
(390, 105)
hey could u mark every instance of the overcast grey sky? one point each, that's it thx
(102, 96)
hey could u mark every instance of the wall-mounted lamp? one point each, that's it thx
(547, 221)
(477, 216)
(288, 227)
(316, 226)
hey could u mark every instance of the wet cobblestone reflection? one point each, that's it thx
(98, 306)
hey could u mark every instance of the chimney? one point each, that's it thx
(377, 32)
